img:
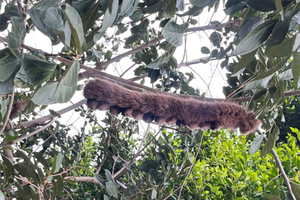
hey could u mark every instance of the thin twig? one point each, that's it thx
(28, 135)
(279, 165)
(11, 102)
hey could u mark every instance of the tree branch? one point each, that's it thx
(279, 165)
(11, 101)
(35, 122)
(26, 136)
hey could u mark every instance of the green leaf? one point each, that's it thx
(7, 86)
(180, 5)
(256, 144)
(282, 49)
(286, 75)
(205, 50)
(41, 159)
(58, 92)
(156, 7)
(296, 189)
(108, 175)
(295, 65)
(105, 197)
(270, 142)
(279, 32)
(111, 189)
(173, 32)
(9, 64)
(7, 163)
(100, 180)
(271, 197)
(18, 33)
(153, 194)
(36, 17)
(202, 3)
(67, 85)
(57, 163)
(148, 164)
(255, 38)
(126, 6)
(243, 63)
(4, 104)
(2, 197)
(44, 94)
(89, 18)
(109, 16)
(55, 19)
(35, 70)
(169, 10)
(76, 27)
(45, 4)
(261, 80)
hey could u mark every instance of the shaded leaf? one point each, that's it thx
(126, 6)
(270, 142)
(243, 63)
(55, 19)
(296, 189)
(173, 32)
(255, 38)
(261, 80)
(148, 164)
(45, 4)
(9, 64)
(110, 16)
(67, 85)
(169, 10)
(248, 26)
(36, 17)
(202, 3)
(271, 197)
(76, 27)
(295, 65)
(17, 34)
(57, 163)
(111, 189)
(34, 70)
(44, 94)
(282, 49)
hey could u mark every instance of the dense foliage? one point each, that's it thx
(112, 157)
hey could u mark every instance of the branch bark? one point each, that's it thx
(279, 165)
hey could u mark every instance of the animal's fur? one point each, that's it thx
(103, 95)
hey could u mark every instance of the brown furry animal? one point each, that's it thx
(161, 108)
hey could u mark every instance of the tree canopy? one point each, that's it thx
(113, 157)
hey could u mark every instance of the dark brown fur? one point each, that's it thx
(161, 108)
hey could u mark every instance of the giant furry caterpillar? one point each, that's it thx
(163, 108)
